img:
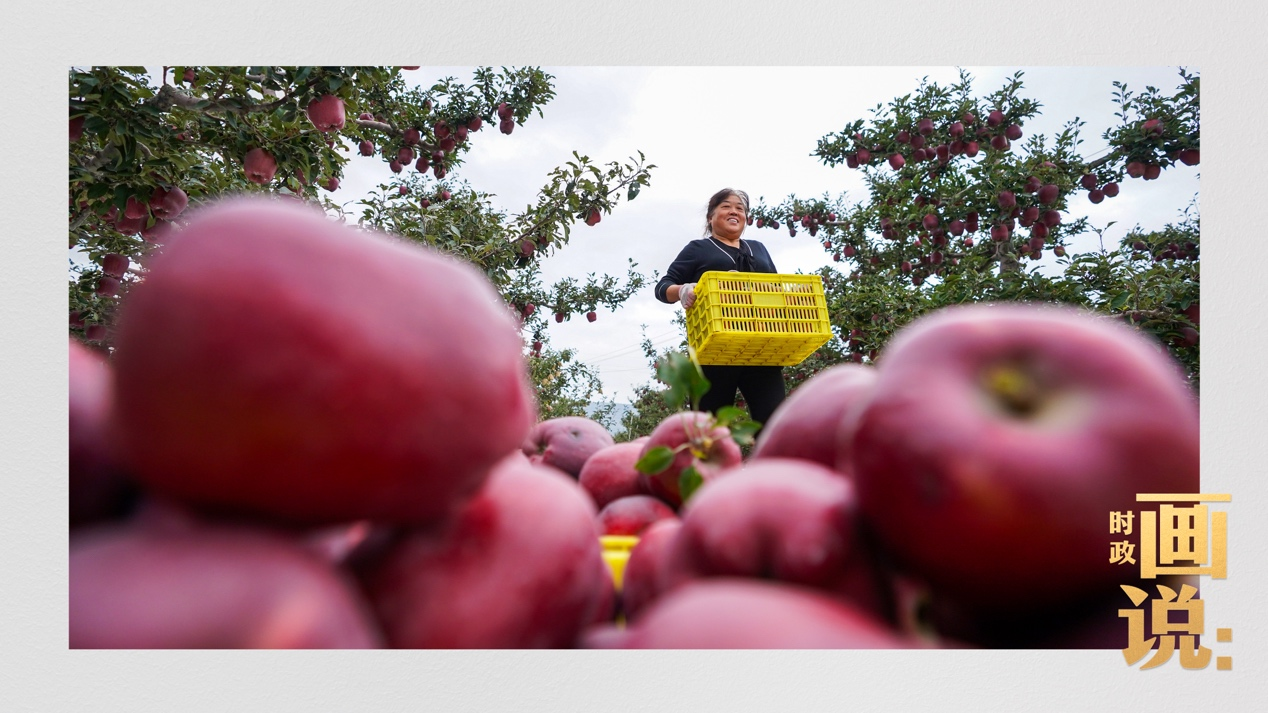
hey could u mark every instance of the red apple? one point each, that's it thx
(609, 473)
(422, 164)
(1007, 200)
(632, 514)
(114, 264)
(999, 143)
(1152, 171)
(593, 217)
(204, 588)
(1013, 132)
(259, 165)
(475, 123)
(412, 136)
(782, 519)
(643, 571)
(956, 130)
(896, 161)
(97, 487)
(1096, 195)
(518, 566)
(505, 111)
(108, 286)
(77, 129)
(925, 127)
(1110, 189)
(506, 126)
(366, 148)
(1135, 169)
(704, 446)
(970, 149)
(168, 204)
(332, 184)
(136, 208)
(1190, 157)
(326, 113)
(1049, 194)
(746, 614)
(999, 437)
(995, 118)
(311, 387)
(591, 316)
(566, 442)
(395, 166)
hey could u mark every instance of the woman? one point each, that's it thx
(722, 249)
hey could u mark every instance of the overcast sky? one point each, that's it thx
(752, 128)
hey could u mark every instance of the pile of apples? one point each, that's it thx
(310, 436)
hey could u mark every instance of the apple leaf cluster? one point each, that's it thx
(961, 208)
(143, 148)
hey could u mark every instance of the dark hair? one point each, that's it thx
(716, 200)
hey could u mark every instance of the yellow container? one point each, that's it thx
(616, 552)
(757, 318)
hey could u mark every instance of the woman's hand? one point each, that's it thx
(687, 295)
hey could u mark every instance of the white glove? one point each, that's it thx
(687, 295)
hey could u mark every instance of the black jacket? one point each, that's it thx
(701, 256)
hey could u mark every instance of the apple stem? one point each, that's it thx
(1016, 390)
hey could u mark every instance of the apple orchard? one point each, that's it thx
(356, 405)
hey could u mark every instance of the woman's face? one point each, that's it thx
(728, 219)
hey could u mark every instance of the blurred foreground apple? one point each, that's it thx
(275, 363)
(998, 439)
(632, 514)
(748, 614)
(778, 519)
(518, 566)
(149, 588)
(566, 442)
(807, 423)
(97, 487)
(642, 580)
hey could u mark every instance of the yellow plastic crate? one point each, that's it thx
(757, 318)
(616, 553)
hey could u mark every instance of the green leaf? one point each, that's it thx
(744, 432)
(633, 192)
(333, 83)
(1119, 300)
(656, 461)
(685, 380)
(730, 414)
(689, 481)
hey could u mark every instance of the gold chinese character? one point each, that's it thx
(1188, 534)
(1169, 634)
(1121, 552)
(1121, 522)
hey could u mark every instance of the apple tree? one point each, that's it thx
(144, 148)
(964, 206)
